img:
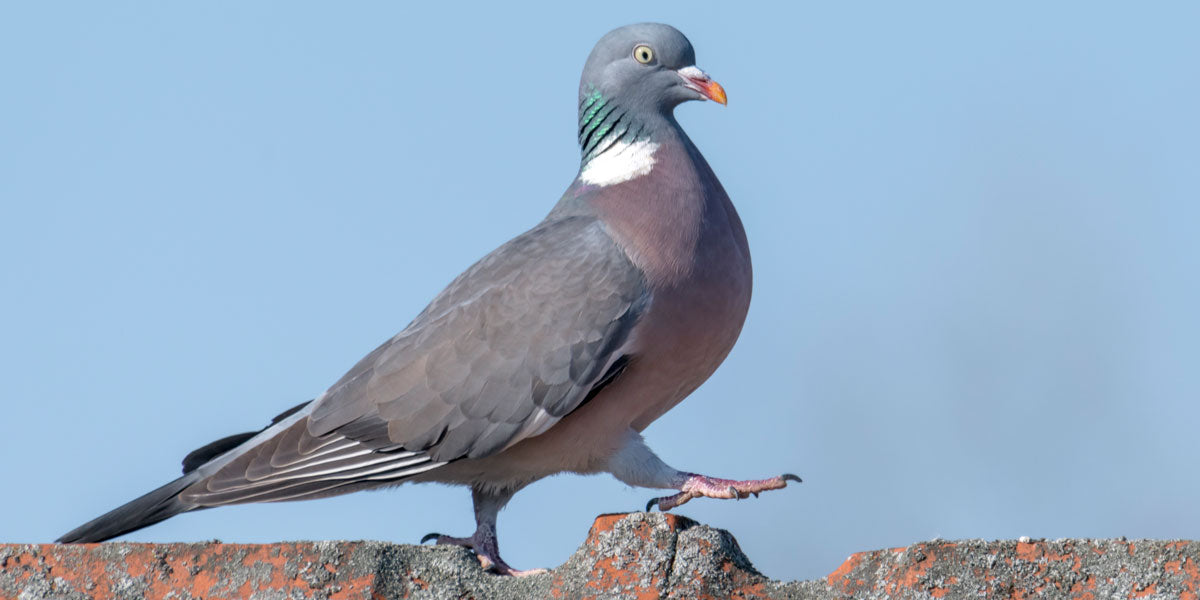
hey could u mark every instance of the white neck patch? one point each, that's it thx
(620, 163)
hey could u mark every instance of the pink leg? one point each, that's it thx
(484, 545)
(483, 542)
(634, 463)
(697, 485)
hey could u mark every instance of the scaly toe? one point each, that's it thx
(521, 572)
(446, 540)
(493, 563)
(666, 503)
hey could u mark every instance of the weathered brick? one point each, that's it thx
(639, 555)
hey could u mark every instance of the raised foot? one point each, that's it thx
(712, 487)
(485, 550)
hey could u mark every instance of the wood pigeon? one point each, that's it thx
(550, 354)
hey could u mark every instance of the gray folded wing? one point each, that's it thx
(511, 346)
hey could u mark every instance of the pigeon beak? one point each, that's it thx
(699, 81)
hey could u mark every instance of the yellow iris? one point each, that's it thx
(643, 54)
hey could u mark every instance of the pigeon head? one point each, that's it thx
(648, 67)
(632, 82)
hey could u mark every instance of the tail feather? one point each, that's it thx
(159, 505)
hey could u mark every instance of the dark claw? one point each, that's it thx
(430, 536)
(755, 494)
(651, 503)
(790, 477)
(733, 490)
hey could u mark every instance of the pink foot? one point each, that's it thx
(712, 487)
(485, 550)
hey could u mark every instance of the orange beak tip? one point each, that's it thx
(717, 93)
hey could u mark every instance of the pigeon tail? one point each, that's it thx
(158, 505)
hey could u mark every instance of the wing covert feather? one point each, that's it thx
(509, 347)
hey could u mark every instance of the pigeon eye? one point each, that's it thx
(643, 54)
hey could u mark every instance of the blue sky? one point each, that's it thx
(975, 234)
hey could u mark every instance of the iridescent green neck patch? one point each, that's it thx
(603, 123)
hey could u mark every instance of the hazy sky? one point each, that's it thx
(975, 232)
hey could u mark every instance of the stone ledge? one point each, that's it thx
(638, 555)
